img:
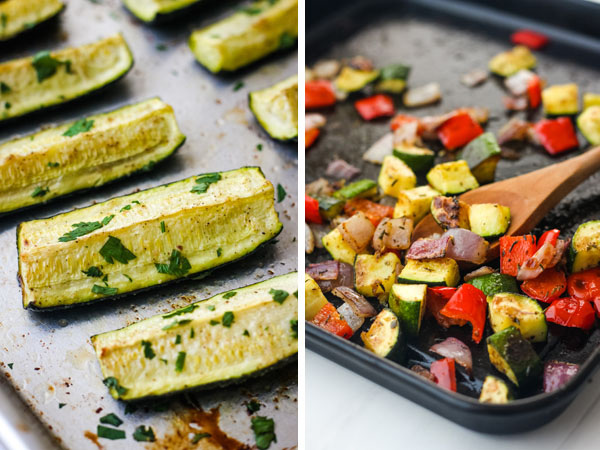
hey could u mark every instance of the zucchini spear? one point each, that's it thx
(17, 16)
(151, 10)
(276, 108)
(144, 239)
(209, 343)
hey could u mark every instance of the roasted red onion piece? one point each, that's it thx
(485, 270)
(456, 349)
(427, 248)
(517, 83)
(348, 314)
(380, 149)
(360, 63)
(474, 77)
(406, 135)
(430, 124)
(326, 270)
(466, 246)
(319, 187)
(515, 103)
(535, 265)
(422, 371)
(309, 239)
(314, 120)
(514, 130)
(359, 304)
(561, 247)
(393, 234)
(338, 168)
(556, 374)
(357, 231)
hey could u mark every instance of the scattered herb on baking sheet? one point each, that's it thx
(178, 265)
(204, 182)
(111, 419)
(177, 312)
(227, 319)
(286, 40)
(61, 405)
(264, 431)
(279, 295)
(162, 227)
(144, 434)
(45, 65)
(4, 88)
(80, 229)
(229, 294)
(125, 208)
(93, 271)
(110, 433)
(210, 307)
(81, 126)
(113, 383)
(148, 352)
(176, 324)
(128, 277)
(178, 339)
(107, 219)
(192, 333)
(219, 252)
(280, 193)
(161, 47)
(113, 250)
(253, 406)
(39, 192)
(53, 164)
(294, 326)
(104, 290)
(246, 333)
(199, 436)
(10, 365)
(238, 85)
(259, 147)
(180, 362)
(130, 408)
(214, 322)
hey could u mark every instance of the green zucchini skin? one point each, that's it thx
(153, 251)
(268, 344)
(584, 251)
(11, 7)
(495, 283)
(158, 14)
(385, 337)
(482, 155)
(408, 301)
(520, 311)
(143, 116)
(276, 109)
(66, 88)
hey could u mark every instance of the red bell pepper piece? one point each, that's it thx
(311, 210)
(379, 105)
(329, 319)
(548, 286)
(528, 38)
(534, 92)
(401, 119)
(470, 304)
(556, 135)
(318, 94)
(570, 312)
(437, 297)
(310, 136)
(375, 212)
(514, 251)
(550, 236)
(458, 131)
(585, 286)
(444, 371)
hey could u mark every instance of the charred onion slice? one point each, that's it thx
(359, 304)
(456, 349)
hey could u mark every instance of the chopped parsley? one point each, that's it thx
(81, 126)
(187, 309)
(180, 362)
(93, 271)
(144, 434)
(219, 252)
(113, 250)
(259, 147)
(214, 322)
(176, 324)
(238, 85)
(39, 192)
(264, 432)
(253, 406)
(279, 295)
(192, 333)
(135, 202)
(294, 326)
(199, 436)
(227, 319)
(45, 65)
(251, 10)
(163, 360)
(230, 294)
(178, 265)
(211, 307)
(4, 88)
(148, 352)
(204, 182)
(113, 383)
(111, 419)
(104, 290)
(280, 193)
(3, 19)
(10, 365)
(53, 164)
(128, 277)
(83, 228)
(130, 408)
(107, 219)
(246, 333)
(178, 339)
(110, 433)
(125, 208)
(162, 227)
(61, 405)
(286, 40)
(296, 293)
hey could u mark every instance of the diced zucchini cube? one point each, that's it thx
(415, 203)
(417, 158)
(432, 272)
(450, 212)
(510, 62)
(375, 274)
(314, 298)
(408, 302)
(589, 124)
(514, 310)
(560, 100)
(495, 391)
(351, 80)
(590, 99)
(489, 220)
(452, 178)
(338, 248)
(482, 155)
(584, 252)
(330, 207)
(395, 176)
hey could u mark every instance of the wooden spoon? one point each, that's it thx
(530, 197)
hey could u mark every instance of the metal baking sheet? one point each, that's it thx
(442, 41)
(50, 353)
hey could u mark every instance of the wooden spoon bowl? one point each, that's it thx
(530, 196)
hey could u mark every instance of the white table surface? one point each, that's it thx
(346, 411)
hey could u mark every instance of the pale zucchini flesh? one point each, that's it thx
(230, 220)
(80, 71)
(276, 108)
(149, 10)
(17, 16)
(260, 336)
(247, 36)
(118, 143)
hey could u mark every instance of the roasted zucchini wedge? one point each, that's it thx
(495, 283)
(17, 16)
(489, 220)
(495, 390)
(408, 301)
(584, 252)
(589, 124)
(510, 62)
(415, 203)
(276, 108)
(247, 36)
(514, 310)
(375, 274)
(223, 339)
(482, 155)
(151, 10)
(313, 298)
(144, 239)
(452, 178)
(86, 153)
(432, 272)
(51, 78)
(385, 337)
(450, 212)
